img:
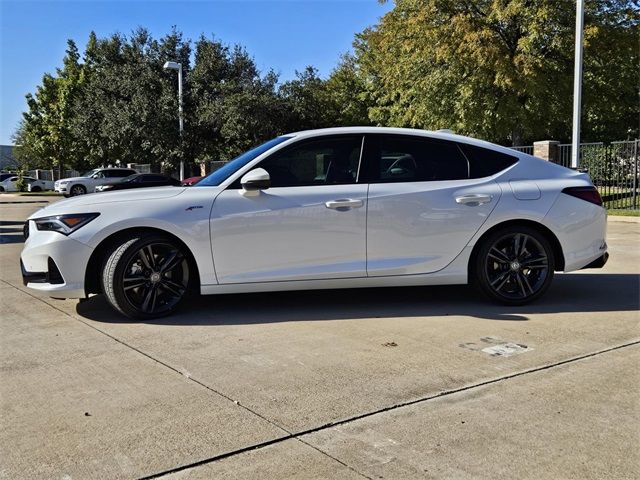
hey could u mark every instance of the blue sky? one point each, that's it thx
(285, 35)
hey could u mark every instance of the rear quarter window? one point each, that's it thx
(484, 162)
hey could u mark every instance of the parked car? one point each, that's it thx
(187, 182)
(5, 175)
(331, 208)
(39, 185)
(70, 187)
(9, 184)
(140, 180)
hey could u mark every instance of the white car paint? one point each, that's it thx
(292, 234)
(436, 214)
(392, 234)
(33, 185)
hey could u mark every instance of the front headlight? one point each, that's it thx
(65, 224)
(62, 182)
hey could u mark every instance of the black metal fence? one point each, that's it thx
(613, 168)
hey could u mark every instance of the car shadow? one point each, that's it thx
(582, 292)
(11, 238)
(11, 231)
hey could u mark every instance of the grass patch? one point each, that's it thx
(39, 194)
(624, 213)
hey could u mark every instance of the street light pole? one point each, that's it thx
(178, 66)
(577, 85)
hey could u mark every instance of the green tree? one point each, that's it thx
(128, 112)
(234, 106)
(309, 101)
(45, 133)
(499, 69)
(347, 90)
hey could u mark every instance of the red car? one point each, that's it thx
(187, 182)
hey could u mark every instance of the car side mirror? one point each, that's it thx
(254, 181)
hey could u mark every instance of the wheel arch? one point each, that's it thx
(558, 254)
(98, 256)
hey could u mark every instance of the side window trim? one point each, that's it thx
(461, 150)
(360, 159)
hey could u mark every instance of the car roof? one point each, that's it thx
(439, 134)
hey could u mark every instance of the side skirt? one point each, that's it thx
(456, 273)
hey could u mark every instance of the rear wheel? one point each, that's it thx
(36, 189)
(514, 265)
(146, 276)
(77, 190)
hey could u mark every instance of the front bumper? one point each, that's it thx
(54, 263)
(598, 262)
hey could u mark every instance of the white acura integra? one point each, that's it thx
(332, 208)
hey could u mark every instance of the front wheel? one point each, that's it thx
(146, 277)
(77, 190)
(514, 265)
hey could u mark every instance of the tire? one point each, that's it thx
(514, 265)
(36, 189)
(146, 276)
(77, 190)
(1, 189)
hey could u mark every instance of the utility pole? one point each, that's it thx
(577, 86)
(178, 66)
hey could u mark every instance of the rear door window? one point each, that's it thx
(399, 158)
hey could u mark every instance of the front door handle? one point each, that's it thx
(344, 204)
(474, 199)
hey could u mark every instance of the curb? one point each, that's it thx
(623, 219)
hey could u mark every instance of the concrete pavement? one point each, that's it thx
(249, 386)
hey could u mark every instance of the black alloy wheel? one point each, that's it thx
(146, 277)
(515, 265)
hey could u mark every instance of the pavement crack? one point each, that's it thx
(319, 450)
(396, 406)
(182, 373)
(297, 435)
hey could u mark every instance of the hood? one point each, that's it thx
(84, 202)
(74, 179)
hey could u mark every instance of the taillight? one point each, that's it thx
(590, 194)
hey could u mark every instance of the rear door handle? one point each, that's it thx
(344, 204)
(473, 200)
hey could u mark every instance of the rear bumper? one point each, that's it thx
(581, 228)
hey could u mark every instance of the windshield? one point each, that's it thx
(216, 178)
(90, 172)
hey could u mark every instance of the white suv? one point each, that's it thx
(70, 187)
